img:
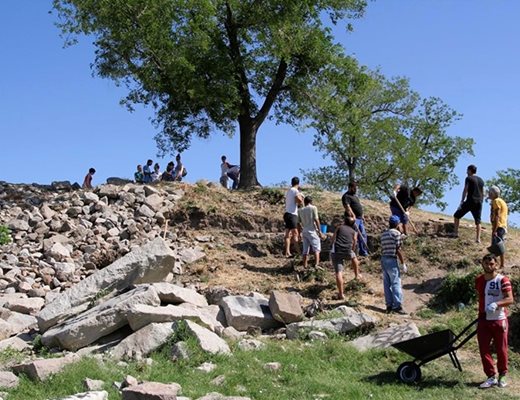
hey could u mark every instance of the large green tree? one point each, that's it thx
(208, 65)
(508, 181)
(378, 131)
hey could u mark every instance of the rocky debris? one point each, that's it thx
(174, 294)
(141, 343)
(207, 340)
(387, 337)
(141, 315)
(149, 263)
(12, 323)
(191, 255)
(243, 311)
(218, 396)
(94, 395)
(15, 343)
(152, 391)
(285, 307)
(232, 334)
(342, 325)
(26, 306)
(317, 335)
(180, 351)
(206, 367)
(93, 384)
(41, 369)
(250, 344)
(272, 366)
(98, 321)
(8, 380)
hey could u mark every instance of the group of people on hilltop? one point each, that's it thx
(174, 172)
(349, 243)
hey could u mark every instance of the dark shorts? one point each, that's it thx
(338, 260)
(402, 216)
(474, 209)
(290, 220)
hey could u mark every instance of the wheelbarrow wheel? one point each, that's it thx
(409, 372)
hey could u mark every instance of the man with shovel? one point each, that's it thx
(354, 209)
(401, 202)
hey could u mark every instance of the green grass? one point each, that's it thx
(330, 370)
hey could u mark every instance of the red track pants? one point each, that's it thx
(495, 331)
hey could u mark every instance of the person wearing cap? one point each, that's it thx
(401, 203)
(343, 249)
(353, 207)
(472, 198)
(498, 219)
(309, 223)
(391, 255)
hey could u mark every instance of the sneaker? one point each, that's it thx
(490, 382)
(388, 309)
(399, 311)
(502, 381)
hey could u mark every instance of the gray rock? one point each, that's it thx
(94, 395)
(145, 211)
(207, 340)
(250, 344)
(317, 335)
(152, 391)
(272, 366)
(206, 367)
(243, 312)
(8, 380)
(98, 321)
(59, 251)
(93, 384)
(46, 211)
(149, 263)
(39, 370)
(285, 307)
(15, 343)
(18, 225)
(26, 306)
(141, 315)
(340, 325)
(191, 255)
(218, 396)
(143, 342)
(18, 322)
(180, 351)
(154, 201)
(170, 293)
(387, 337)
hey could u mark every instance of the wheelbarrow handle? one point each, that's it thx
(468, 337)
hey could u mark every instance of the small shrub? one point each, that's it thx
(5, 235)
(272, 195)
(457, 289)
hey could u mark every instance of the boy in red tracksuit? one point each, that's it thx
(494, 295)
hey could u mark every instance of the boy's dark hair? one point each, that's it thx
(350, 221)
(295, 181)
(417, 190)
(223, 158)
(307, 200)
(472, 168)
(149, 162)
(352, 184)
(92, 171)
(489, 257)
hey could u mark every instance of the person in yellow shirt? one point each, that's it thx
(498, 219)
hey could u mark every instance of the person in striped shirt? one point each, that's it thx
(494, 295)
(390, 254)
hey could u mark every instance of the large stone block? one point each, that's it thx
(207, 340)
(96, 395)
(149, 263)
(143, 342)
(342, 325)
(39, 370)
(387, 337)
(285, 307)
(243, 312)
(99, 321)
(152, 391)
(141, 315)
(174, 294)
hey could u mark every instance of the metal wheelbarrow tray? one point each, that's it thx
(429, 347)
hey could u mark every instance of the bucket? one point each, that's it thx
(323, 228)
(497, 248)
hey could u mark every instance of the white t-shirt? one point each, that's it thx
(493, 293)
(290, 201)
(223, 169)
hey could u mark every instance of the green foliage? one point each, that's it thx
(379, 132)
(457, 288)
(273, 196)
(5, 235)
(205, 66)
(509, 183)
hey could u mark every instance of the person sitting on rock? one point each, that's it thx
(87, 182)
(156, 174)
(167, 175)
(138, 175)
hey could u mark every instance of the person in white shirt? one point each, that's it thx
(310, 226)
(223, 172)
(293, 199)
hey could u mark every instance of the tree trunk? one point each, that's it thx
(248, 130)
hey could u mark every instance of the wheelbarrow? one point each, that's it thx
(429, 347)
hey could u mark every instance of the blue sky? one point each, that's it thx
(57, 120)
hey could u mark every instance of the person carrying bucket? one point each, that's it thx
(309, 223)
(498, 223)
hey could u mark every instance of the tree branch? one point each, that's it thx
(275, 89)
